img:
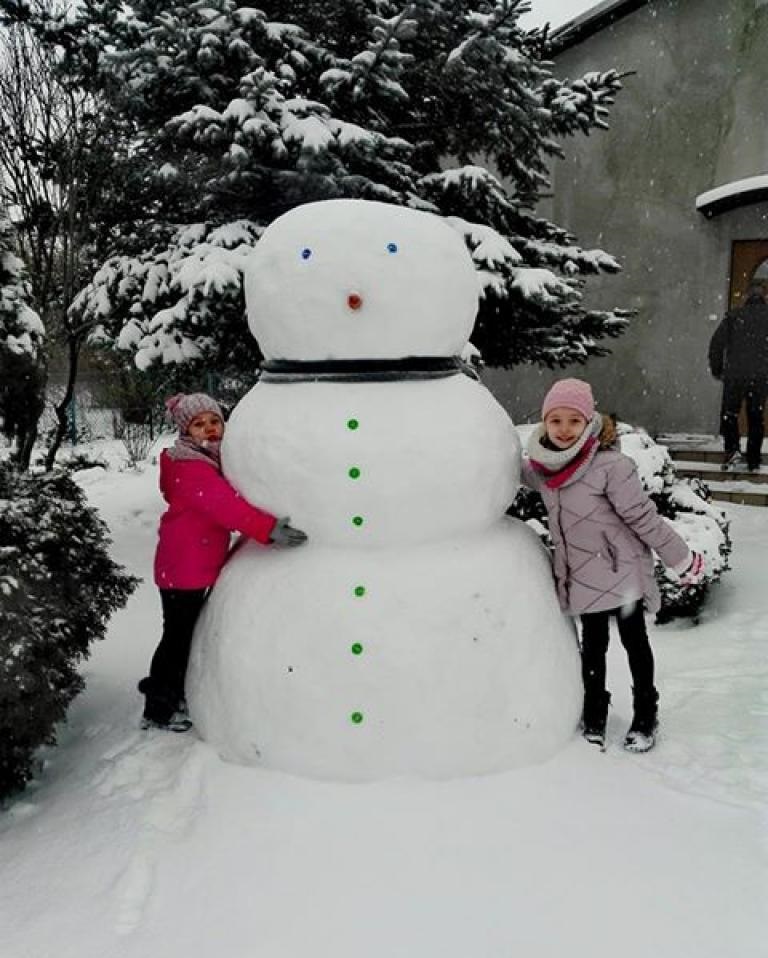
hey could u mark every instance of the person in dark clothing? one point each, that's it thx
(738, 354)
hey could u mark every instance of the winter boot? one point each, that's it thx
(732, 461)
(595, 717)
(161, 708)
(641, 736)
(178, 722)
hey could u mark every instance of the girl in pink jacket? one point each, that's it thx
(603, 527)
(203, 508)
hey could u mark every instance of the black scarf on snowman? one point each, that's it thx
(360, 370)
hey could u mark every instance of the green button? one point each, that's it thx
(357, 520)
(352, 424)
(354, 473)
(357, 649)
(359, 590)
(357, 717)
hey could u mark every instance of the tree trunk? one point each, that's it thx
(62, 409)
(26, 445)
(27, 436)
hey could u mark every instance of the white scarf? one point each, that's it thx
(554, 460)
(186, 448)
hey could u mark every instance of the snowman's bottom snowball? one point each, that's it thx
(455, 659)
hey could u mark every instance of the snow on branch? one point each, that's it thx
(582, 104)
(573, 259)
(153, 304)
(540, 285)
(487, 245)
(21, 329)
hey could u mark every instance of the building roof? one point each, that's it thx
(590, 22)
(729, 196)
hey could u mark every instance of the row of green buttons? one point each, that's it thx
(356, 648)
(354, 472)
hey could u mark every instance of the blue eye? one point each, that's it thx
(306, 253)
(391, 247)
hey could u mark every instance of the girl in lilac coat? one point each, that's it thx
(203, 508)
(604, 528)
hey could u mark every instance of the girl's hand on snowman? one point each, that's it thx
(285, 535)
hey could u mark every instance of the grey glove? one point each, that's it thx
(285, 535)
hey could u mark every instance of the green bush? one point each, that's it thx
(58, 589)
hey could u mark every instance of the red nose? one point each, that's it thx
(354, 301)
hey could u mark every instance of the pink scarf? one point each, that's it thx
(186, 448)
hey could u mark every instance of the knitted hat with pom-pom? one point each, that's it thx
(570, 394)
(183, 408)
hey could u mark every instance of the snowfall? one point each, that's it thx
(132, 843)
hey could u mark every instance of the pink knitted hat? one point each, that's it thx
(570, 394)
(183, 408)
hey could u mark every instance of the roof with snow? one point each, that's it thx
(753, 189)
(591, 21)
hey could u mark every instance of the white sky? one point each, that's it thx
(555, 11)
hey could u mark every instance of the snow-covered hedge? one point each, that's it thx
(684, 502)
(58, 589)
(687, 505)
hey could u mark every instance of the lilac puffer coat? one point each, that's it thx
(604, 526)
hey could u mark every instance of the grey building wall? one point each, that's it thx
(693, 116)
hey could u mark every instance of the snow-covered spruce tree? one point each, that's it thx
(58, 588)
(21, 360)
(684, 502)
(241, 113)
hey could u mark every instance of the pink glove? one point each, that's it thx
(695, 571)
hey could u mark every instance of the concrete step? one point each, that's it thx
(696, 455)
(730, 492)
(700, 457)
(711, 472)
(746, 488)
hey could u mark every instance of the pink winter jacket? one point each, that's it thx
(603, 526)
(203, 509)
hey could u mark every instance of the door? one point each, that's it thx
(749, 261)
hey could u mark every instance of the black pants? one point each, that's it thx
(595, 635)
(165, 688)
(735, 392)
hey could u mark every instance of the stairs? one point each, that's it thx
(701, 458)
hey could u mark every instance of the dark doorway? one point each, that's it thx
(749, 260)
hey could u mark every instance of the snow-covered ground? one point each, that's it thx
(147, 844)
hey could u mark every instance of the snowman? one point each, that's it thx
(418, 632)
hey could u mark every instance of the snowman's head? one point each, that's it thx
(353, 279)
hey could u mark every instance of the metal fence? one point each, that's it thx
(87, 420)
